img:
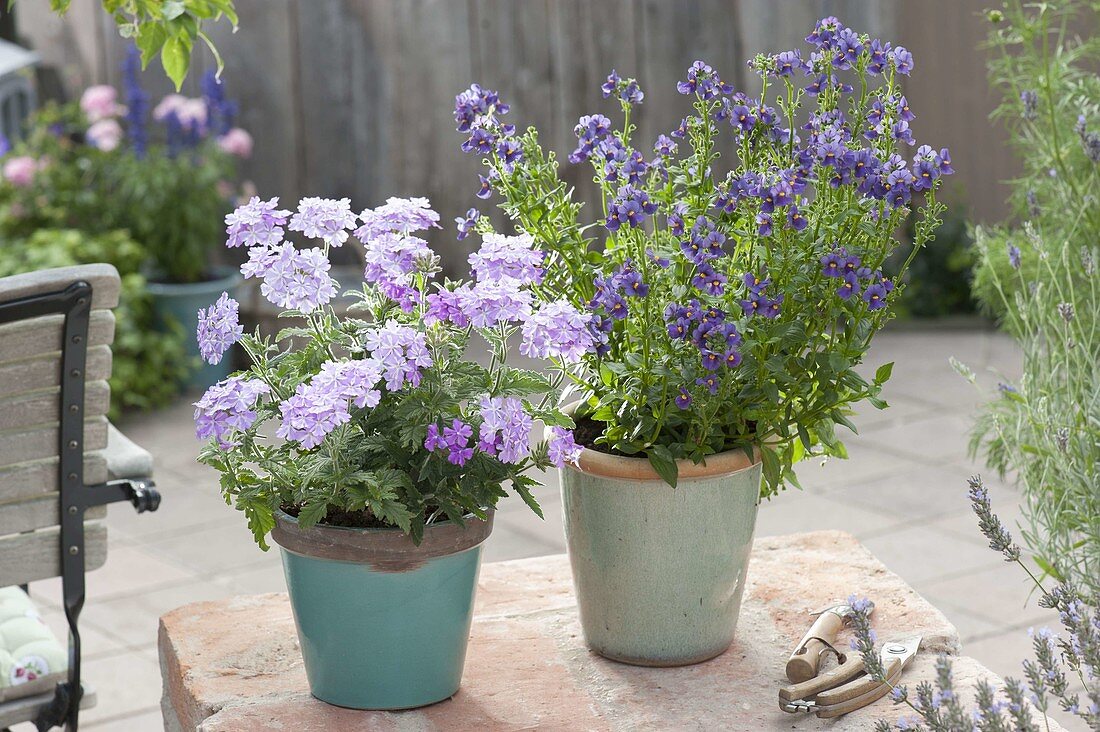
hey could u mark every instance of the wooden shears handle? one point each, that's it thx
(803, 663)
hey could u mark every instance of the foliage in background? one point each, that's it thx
(1038, 274)
(1059, 662)
(375, 418)
(938, 281)
(169, 28)
(100, 166)
(147, 365)
(731, 311)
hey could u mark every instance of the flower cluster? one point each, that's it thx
(219, 328)
(228, 407)
(707, 281)
(380, 414)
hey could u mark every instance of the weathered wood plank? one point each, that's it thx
(37, 513)
(103, 278)
(44, 372)
(35, 478)
(42, 407)
(27, 338)
(37, 555)
(17, 446)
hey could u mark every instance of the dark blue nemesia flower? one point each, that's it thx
(875, 296)
(709, 280)
(849, 287)
(903, 60)
(611, 85)
(683, 399)
(754, 282)
(787, 62)
(466, 224)
(665, 146)
(485, 191)
(712, 361)
(763, 224)
(475, 103)
(833, 263)
(662, 262)
(879, 53)
(510, 153)
(732, 358)
(630, 282)
(824, 32)
(710, 381)
(137, 102)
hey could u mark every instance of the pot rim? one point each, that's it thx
(385, 549)
(607, 465)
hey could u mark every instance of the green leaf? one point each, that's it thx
(172, 9)
(58, 6)
(312, 512)
(149, 40)
(175, 56)
(662, 461)
(882, 374)
(771, 466)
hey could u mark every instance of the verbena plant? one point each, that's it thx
(377, 418)
(1059, 663)
(166, 175)
(727, 309)
(1038, 274)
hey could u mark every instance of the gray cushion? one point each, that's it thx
(124, 458)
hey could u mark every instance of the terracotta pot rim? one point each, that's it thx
(606, 465)
(385, 549)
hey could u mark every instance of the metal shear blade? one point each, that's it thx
(848, 687)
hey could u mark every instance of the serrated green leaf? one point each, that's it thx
(662, 461)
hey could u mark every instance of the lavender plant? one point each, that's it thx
(1058, 660)
(1038, 274)
(376, 418)
(166, 175)
(726, 309)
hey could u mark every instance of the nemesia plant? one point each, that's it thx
(727, 303)
(377, 418)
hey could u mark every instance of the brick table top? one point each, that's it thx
(234, 665)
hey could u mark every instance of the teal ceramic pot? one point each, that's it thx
(180, 303)
(659, 571)
(382, 623)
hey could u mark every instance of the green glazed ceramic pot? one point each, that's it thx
(659, 571)
(179, 303)
(383, 623)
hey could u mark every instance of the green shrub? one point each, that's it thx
(148, 365)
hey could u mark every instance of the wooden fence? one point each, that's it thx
(354, 97)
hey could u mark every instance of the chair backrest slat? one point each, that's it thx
(35, 408)
(36, 555)
(102, 277)
(36, 478)
(44, 372)
(43, 335)
(32, 443)
(37, 513)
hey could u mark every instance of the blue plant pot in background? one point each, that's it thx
(382, 623)
(180, 303)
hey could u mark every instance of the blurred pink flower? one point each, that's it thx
(105, 134)
(100, 102)
(236, 142)
(20, 171)
(191, 113)
(171, 103)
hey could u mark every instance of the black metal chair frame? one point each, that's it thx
(74, 302)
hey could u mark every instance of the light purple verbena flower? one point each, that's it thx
(391, 261)
(562, 448)
(322, 405)
(256, 223)
(310, 414)
(505, 429)
(508, 257)
(328, 219)
(227, 407)
(401, 351)
(485, 304)
(404, 215)
(445, 305)
(293, 279)
(557, 330)
(351, 380)
(219, 328)
(456, 438)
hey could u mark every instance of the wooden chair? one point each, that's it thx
(61, 461)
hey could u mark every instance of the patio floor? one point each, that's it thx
(902, 493)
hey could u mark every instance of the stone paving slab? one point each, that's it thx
(234, 665)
